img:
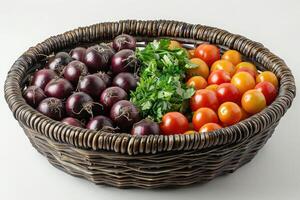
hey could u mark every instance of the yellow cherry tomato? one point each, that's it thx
(197, 82)
(233, 56)
(201, 69)
(253, 101)
(243, 81)
(174, 45)
(190, 132)
(212, 87)
(229, 113)
(247, 65)
(191, 53)
(223, 65)
(187, 53)
(267, 76)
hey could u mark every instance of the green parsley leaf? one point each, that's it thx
(161, 88)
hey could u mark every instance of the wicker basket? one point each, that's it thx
(122, 160)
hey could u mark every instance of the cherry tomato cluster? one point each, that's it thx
(228, 90)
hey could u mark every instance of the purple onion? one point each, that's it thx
(34, 95)
(52, 107)
(59, 88)
(99, 122)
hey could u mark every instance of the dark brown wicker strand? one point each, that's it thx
(123, 160)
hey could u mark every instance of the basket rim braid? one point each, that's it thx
(152, 144)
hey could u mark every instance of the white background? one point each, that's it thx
(273, 174)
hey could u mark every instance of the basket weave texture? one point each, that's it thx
(122, 160)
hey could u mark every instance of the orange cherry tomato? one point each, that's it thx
(204, 98)
(201, 69)
(253, 101)
(228, 92)
(243, 81)
(245, 115)
(197, 82)
(223, 65)
(191, 53)
(244, 69)
(229, 113)
(212, 87)
(267, 76)
(174, 45)
(247, 65)
(268, 90)
(218, 77)
(189, 132)
(203, 116)
(209, 127)
(233, 56)
(208, 53)
(174, 123)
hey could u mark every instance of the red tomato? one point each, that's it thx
(229, 113)
(218, 77)
(228, 92)
(268, 89)
(208, 52)
(204, 98)
(209, 127)
(203, 116)
(174, 123)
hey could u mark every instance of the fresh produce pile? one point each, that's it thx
(162, 88)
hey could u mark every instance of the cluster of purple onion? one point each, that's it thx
(90, 87)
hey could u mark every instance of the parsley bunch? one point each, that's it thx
(161, 88)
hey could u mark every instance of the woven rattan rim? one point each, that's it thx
(133, 145)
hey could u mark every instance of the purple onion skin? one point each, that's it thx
(59, 88)
(124, 41)
(99, 122)
(94, 60)
(123, 61)
(126, 81)
(52, 107)
(42, 77)
(74, 70)
(145, 127)
(105, 50)
(78, 53)
(105, 77)
(124, 114)
(92, 85)
(72, 122)
(57, 62)
(34, 95)
(81, 106)
(112, 95)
